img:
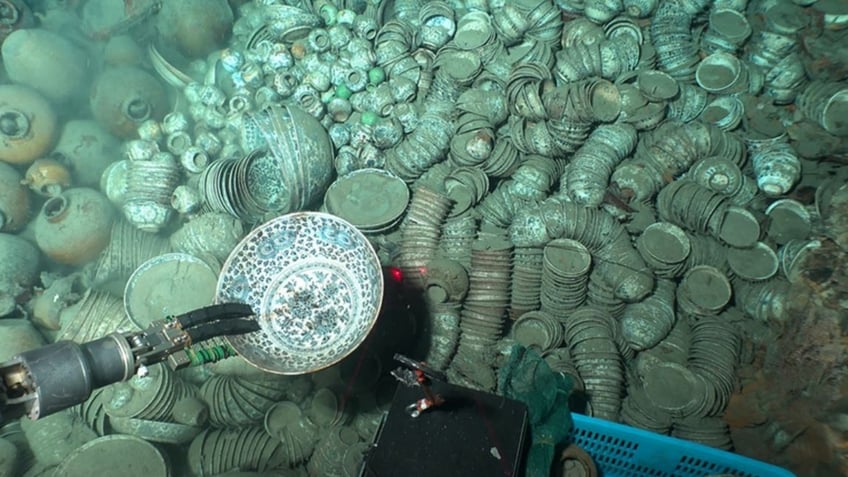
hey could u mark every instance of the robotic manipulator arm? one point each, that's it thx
(46, 380)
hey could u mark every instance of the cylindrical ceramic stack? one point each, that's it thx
(458, 233)
(665, 248)
(724, 177)
(208, 234)
(776, 165)
(93, 412)
(706, 251)
(236, 401)
(788, 220)
(150, 184)
(128, 248)
(372, 200)
(714, 353)
(602, 296)
(710, 431)
(764, 301)
(825, 103)
(565, 276)
(698, 209)
(792, 255)
(329, 408)
(648, 322)
(572, 109)
(466, 186)
(96, 315)
(483, 315)
(150, 397)
(591, 166)
(526, 280)
(590, 338)
(215, 451)
(704, 291)
(754, 264)
(669, 150)
(116, 454)
(677, 53)
(538, 330)
(638, 411)
(420, 233)
(725, 112)
(287, 422)
(722, 74)
(727, 31)
(444, 334)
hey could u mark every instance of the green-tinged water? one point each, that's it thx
(650, 194)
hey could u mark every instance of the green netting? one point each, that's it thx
(527, 378)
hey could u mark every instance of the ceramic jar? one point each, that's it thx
(28, 124)
(87, 149)
(14, 200)
(18, 270)
(47, 177)
(125, 96)
(47, 62)
(73, 227)
(196, 27)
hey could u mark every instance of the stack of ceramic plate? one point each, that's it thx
(466, 186)
(710, 431)
(372, 200)
(315, 284)
(93, 413)
(565, 276)
(692, 206)
(482, 317)
(560, 360)
(115, 455)
(128, 248)
(675, 347)
(420, 233)
(673, 388)
(334, 451)
(713, 354)
(215, 451)
(149, 397)
(526, 280)
(704, 290)
(235, 401)
(96, 315)
(169, 284)
(538, 330)
(601, 295)
(637, 410)
(457, 235)
(154, 431)
(754, 264)
(328, 408)
(474, 31)
(665, 248)
(646, 323)
(286, 422)
(590, 337)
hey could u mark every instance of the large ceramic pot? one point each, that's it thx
(125, 96)
(28, 124)
(74, 226)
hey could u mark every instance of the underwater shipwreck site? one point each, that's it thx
(385, 238)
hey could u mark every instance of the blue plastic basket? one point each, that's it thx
(624, 451)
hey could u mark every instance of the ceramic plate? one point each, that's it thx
(316, 284)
